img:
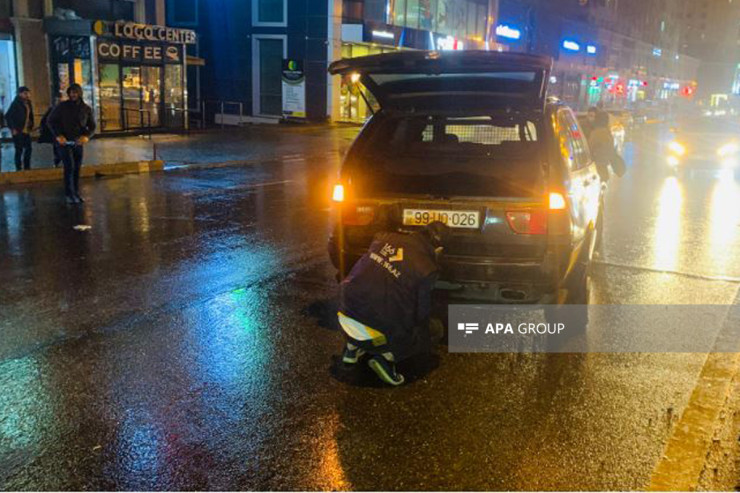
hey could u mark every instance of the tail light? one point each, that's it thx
(337, 194)
(528, 222)
(357, 214)
(556, 201)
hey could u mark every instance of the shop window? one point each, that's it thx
(110, 97)
(269, 12)
(8, 81)
(399, 13)
(480, 28)
(472, 12)
(412, 14)
(109, 10)
(427, 14)
(174, 98)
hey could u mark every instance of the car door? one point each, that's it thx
(583, 185)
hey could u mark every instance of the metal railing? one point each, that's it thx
(222, 106)
(141, 113)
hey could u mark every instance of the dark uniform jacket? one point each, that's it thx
(17, 113)
(389, 289)
(72, 119)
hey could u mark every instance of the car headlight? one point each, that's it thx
(677, 148)
(728, 149)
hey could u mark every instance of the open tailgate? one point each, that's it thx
(452, 81)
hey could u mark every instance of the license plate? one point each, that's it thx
(453, 219)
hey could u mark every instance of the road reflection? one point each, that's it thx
(724, 218)
(667, 231)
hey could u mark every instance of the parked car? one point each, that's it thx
(470, 139)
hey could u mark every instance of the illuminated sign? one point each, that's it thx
(508, 32)
(144, 32)
(114, 50)
(657, 52)
(591, 49)
(384, 34)
(571, 45)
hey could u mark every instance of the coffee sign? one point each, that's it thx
(130, 52)
(144, 32)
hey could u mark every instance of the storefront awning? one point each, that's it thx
(196, 61)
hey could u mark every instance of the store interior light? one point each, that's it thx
(591, 49)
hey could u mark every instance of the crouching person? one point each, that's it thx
(385, 301)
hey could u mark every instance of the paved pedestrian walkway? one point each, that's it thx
(235, 144)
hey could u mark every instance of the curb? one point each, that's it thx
(87, 171)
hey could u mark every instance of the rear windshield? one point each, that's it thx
(478, 156)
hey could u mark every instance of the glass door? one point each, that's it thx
(110, 97)
(131, 89)
(151, 95)
(270, 76)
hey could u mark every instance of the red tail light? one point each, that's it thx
(527, 222)
(357, 214)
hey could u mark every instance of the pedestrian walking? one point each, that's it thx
(45, 134)
(72, 124)
(385, 301)
(19, 118)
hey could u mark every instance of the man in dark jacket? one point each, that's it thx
(385, 301)
(19, 119)
(72, 124)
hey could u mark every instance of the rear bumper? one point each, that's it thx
(491, 280)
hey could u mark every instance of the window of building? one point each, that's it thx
(269, 12)
(352, 11)
(182, 13)
(109, 10)
(399, 13)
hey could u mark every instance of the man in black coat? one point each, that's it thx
(19, 119)
(72, 124)
(385, 301)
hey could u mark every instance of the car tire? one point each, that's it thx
(575, 305)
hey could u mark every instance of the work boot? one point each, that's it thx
(386, 370)
(352, 354)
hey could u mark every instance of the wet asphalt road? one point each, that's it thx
(184, 342)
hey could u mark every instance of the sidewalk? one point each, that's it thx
(215, 146)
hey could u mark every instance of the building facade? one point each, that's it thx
(245, 46)
(130, 64)
(618, 53)
(711, 32)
